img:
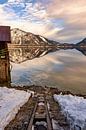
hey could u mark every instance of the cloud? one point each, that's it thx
(55, 19)
(27, 16)
(5, 15)
(73, 14)
(18, 1)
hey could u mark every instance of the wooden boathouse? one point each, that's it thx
(5, 38)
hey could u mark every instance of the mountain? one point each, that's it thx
(21, 37)
(26, 46)
(82, 43)
(81, 46)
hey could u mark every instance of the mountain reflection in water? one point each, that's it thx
(64, 69)
(19, 53)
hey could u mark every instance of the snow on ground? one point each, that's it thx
(10, 102)
(74, 108)
(56, 125)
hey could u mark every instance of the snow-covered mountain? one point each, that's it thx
(21, 37)
(26, 46)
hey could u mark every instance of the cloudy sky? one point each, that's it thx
(62, 20)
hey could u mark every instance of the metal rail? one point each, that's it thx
(32, 117)
(49, 122)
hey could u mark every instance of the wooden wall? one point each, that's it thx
(4, 63)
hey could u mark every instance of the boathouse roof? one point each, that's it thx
(5, 35)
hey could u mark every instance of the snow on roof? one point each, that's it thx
(10, 102)
(74, 108)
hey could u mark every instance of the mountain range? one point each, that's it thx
(26, 46)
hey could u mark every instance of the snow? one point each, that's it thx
(56, 126)
(43, 39)
(10, 102)
(74, 108)
(40, 104)
(41, 123)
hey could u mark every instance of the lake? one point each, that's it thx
(64, 69)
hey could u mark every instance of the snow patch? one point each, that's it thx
(40, 104)
(56, 126)
(10, 102)
(74, 108)
(43, 39)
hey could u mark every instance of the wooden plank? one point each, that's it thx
(40, 116)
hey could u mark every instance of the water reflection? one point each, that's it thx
(64, 68)
(21, 53)
(82, 49)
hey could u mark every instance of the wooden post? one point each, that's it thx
(4, 55)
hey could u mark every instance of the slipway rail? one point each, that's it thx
(32, 116)
(49, 123)
(40, 114)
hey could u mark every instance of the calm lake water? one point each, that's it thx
(64, 69)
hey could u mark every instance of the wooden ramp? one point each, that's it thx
(40, 117)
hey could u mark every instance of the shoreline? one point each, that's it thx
(47, 88)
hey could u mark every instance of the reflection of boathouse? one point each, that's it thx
(4, 55)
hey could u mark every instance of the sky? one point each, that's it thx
(60, 20)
